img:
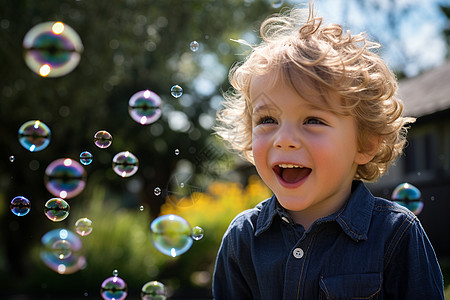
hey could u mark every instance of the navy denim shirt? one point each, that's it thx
(372, 248)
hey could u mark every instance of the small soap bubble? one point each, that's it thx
(34, 135)
(145, 107)
(86, 158)
(171, 235)
(20, 206)
(113, 288)
(176, 91)
(61, 251)
(153, 290)
(197, 233)
(52, 49)
(115, 272)
(182, 185)
(12, 158)
(408, 196)
(65, 178)
(141, 208)
(125, 164)
(157, 191)
(276, 3)
(177, 152)
(194, 46)
(56, 209)
(83, 226)
(102, 139)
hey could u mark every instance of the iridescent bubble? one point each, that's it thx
(157, 191)
(115, 272)
(197, 233)
(177, 152)
(86, 158)
(83, 226)
(34, 135)
(102, 139)
(12, 158)
(65, 178)
(408, 196)
(176, 91)
(20, 206)
(62, 251)
(141, 208)
(52, 49)
(125, 164)
(56, 209)
(171, 235)
(113, 288)
(145, 107)
(153, 290)
(194, 46)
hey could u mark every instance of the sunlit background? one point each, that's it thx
(112, 183)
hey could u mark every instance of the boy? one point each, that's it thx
(315, 110)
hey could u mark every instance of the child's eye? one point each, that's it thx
(314, 121)
(266, 120)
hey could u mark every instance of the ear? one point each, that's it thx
(366, 154)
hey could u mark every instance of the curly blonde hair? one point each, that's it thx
(320, 61)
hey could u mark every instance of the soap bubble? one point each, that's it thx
(113, 288)
(86, 158)
(145, 107)
(408, 196)
(171, 235)
(56, 209)
(34, 135)
(52, 49)
(65, 178)
(12, 158)
(115, 272)
(83, 226)
(125, 164)
(153, 290)
(176, 91)
(157, 191)
(194, 46)
(20, 206)
(177, 152)
(102, 139)
(276, 3)
(197, 233)
(141, 208)
(62, 251)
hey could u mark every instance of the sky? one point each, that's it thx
(419, 45)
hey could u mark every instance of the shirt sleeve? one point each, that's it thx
(413, 270)
(228, 280)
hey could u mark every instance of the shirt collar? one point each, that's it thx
(354, 218)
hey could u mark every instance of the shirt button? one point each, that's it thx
(298, 253)
(285, 219)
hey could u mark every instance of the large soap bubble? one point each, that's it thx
(34, 135)
(145, 107)
(408, 196)
(65, 178)
(171, 235)
(52, 49)
(56, 209)
(62, 251)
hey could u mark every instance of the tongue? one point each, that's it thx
(292, 175)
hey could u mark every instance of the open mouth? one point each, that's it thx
(291, 173)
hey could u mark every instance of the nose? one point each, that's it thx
(286, 139)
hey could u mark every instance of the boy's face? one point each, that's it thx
(307, 156)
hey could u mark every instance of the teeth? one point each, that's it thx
(286, 166)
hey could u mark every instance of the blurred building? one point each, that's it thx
(426, 162)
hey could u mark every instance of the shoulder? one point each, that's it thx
(392, 212)
(247, 220)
